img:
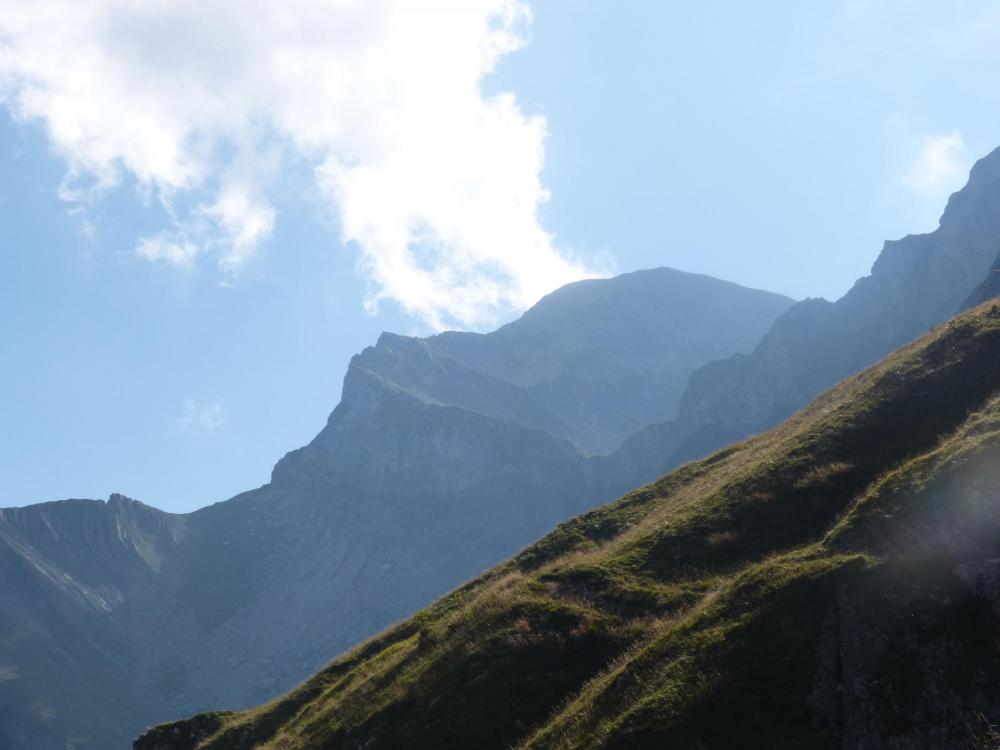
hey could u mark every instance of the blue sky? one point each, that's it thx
(192, 246)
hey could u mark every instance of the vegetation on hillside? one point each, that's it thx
(826, 584)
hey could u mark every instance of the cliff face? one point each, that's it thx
(445, 456)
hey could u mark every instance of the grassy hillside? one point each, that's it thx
(830, 583)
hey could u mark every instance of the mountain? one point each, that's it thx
(593, 362)
(916, 283)
(987, 290)
(81, 586)
(831, 583)
(445, 456)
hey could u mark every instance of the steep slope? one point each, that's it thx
(831, 583)
(422, 478)
(916, 283)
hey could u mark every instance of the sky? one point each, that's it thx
(206, 208)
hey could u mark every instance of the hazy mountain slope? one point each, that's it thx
(987, 290)
(82, 584)
(402, 495)
(829, 584)
(406, 492)
(277, 578)
(593, 362)
(915, 283)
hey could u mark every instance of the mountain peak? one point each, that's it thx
(592, 362)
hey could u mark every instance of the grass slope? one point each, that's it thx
(827, 584)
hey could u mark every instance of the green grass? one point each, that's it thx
(737, 602)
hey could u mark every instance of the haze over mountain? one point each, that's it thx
(424, 476)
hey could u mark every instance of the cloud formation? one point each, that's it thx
(939, 164)
(204, 102)
(930, 167)
(207, 417)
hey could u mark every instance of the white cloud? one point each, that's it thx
(204, 102)
(178, 252)
(206, 417)
(939, 165)
(929, 168)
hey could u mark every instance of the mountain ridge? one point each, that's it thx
(915, 283)
(874, 510)
(398, 498)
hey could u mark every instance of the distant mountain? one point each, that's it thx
(915, 283)
(445, 456)
(83, 586)
(834, 583)
(593, 362)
